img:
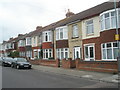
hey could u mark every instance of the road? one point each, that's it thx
(13, 78)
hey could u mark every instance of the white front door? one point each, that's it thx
(89, 53)
(76, 52)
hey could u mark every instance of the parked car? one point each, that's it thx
(20, 63)
(7, 61)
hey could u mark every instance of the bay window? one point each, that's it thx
(28, 41)
(47, 36)
(109, 51)
(62, 53)
(61, 33)
(108, 19)
(47, 53)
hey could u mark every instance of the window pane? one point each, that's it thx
(108, 45)
(61, 33)
(75, 31)
(115, 45)
(46, 53)
(115, 51)
(62, 55)
(66, 54)
(103, 45)
(89, 27)
(104, 54)
(102, 24)
(91, 52)
(86, 52)
(106, 15)
(107, 23)
(109, 53)
(57, 34)
(89, 22)
(113, 22)
(113, 13)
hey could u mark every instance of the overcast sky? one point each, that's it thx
(22, 16)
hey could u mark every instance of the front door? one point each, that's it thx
(89, 53)
(76, 52)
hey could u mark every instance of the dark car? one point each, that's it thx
(6, 61)
(20, 63)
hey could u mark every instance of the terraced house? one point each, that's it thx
(88, 35)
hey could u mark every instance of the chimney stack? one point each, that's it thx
(69, 14)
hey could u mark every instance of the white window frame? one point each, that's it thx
(75, 31)
(59, 51)
(106, 51)
(49, 36)
(60, 30)
(21, 43)
(76, 48)
(48, 51)
(28, 41)
(102, 19)
(88, 32)
(89, 45)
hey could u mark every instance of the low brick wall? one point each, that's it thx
(53, 63)
(48, 63)
(34, 62)
(99, 66)
(68, 63)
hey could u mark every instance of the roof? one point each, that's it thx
(94, 11)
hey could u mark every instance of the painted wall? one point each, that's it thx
(74, 41)
(96, 22)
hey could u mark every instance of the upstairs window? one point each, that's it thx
(108, 19)
(75, 30)
(47, 36)
(89, 27)
(61, 33)
(28, 41)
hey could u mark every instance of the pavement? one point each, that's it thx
(105, 77)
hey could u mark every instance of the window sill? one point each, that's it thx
(74, 37)
(90, 34)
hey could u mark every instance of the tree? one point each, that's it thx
(14, 54)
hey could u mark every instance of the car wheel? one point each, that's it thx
(17, 66)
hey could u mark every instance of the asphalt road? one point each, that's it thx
(13, 78)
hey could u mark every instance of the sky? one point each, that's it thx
(23, 16)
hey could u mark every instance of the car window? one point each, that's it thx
(21, 60)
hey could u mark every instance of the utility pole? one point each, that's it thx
(117, 38)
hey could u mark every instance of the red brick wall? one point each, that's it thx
(97, 47)
(47, 45)
(21, 49)
(53, 63)
(99, 66)
(36, 47)
(68, 63)
(62, 44)
(108, 36)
